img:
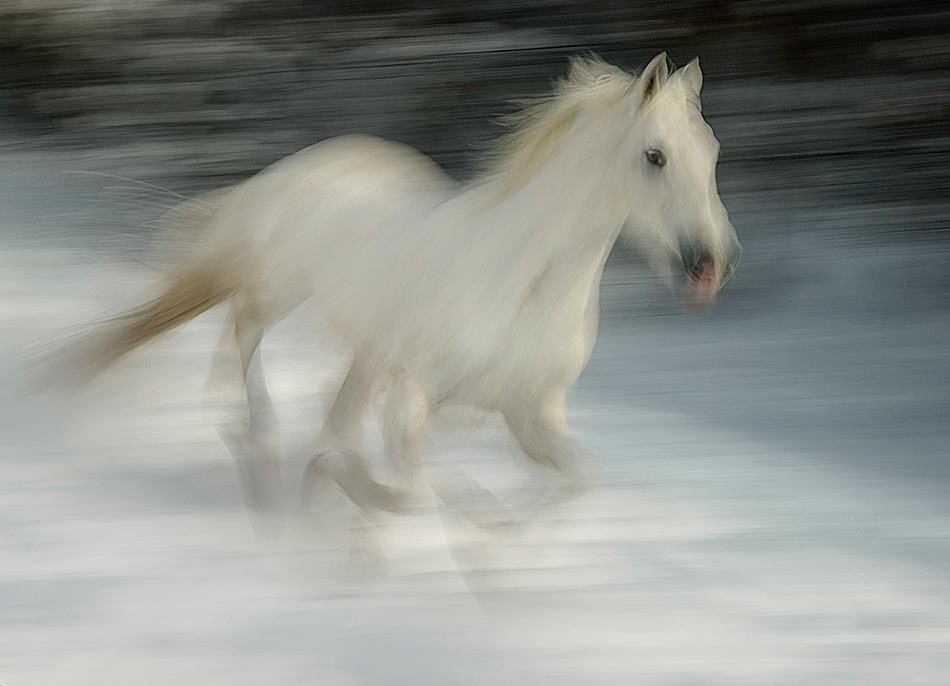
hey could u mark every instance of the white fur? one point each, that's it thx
(483, 295)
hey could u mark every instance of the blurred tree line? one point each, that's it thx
(237, 84)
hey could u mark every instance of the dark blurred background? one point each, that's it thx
(848, 98)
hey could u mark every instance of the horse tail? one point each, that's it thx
(192, 290)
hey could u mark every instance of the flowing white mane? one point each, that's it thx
(537, 129)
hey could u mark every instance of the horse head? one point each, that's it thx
(677, 218)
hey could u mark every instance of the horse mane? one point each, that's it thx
(536, 129)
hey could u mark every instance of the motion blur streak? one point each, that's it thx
(772, 506)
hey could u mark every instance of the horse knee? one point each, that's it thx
(404, 420)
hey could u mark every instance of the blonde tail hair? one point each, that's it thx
(193, 290)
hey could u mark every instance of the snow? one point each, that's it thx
(773, 509)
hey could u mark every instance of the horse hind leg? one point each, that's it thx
(250, 430)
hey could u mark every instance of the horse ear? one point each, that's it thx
(692, 75)
(653, 77)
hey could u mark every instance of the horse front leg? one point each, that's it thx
(404, 418)
(339, 467)
(540, 427)
(338, 458)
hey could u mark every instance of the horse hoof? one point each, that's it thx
(318, 470)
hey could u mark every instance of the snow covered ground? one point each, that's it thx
(775, 503)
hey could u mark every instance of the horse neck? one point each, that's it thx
(569, 213)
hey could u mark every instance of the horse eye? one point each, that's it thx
(656, 158)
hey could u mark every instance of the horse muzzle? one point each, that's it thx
(706, 273)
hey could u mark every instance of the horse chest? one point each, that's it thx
(530, 348)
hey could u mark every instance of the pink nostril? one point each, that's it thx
(704, 271)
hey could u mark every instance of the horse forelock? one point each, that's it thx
(535, 130)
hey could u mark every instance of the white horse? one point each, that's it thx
(484, 295)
